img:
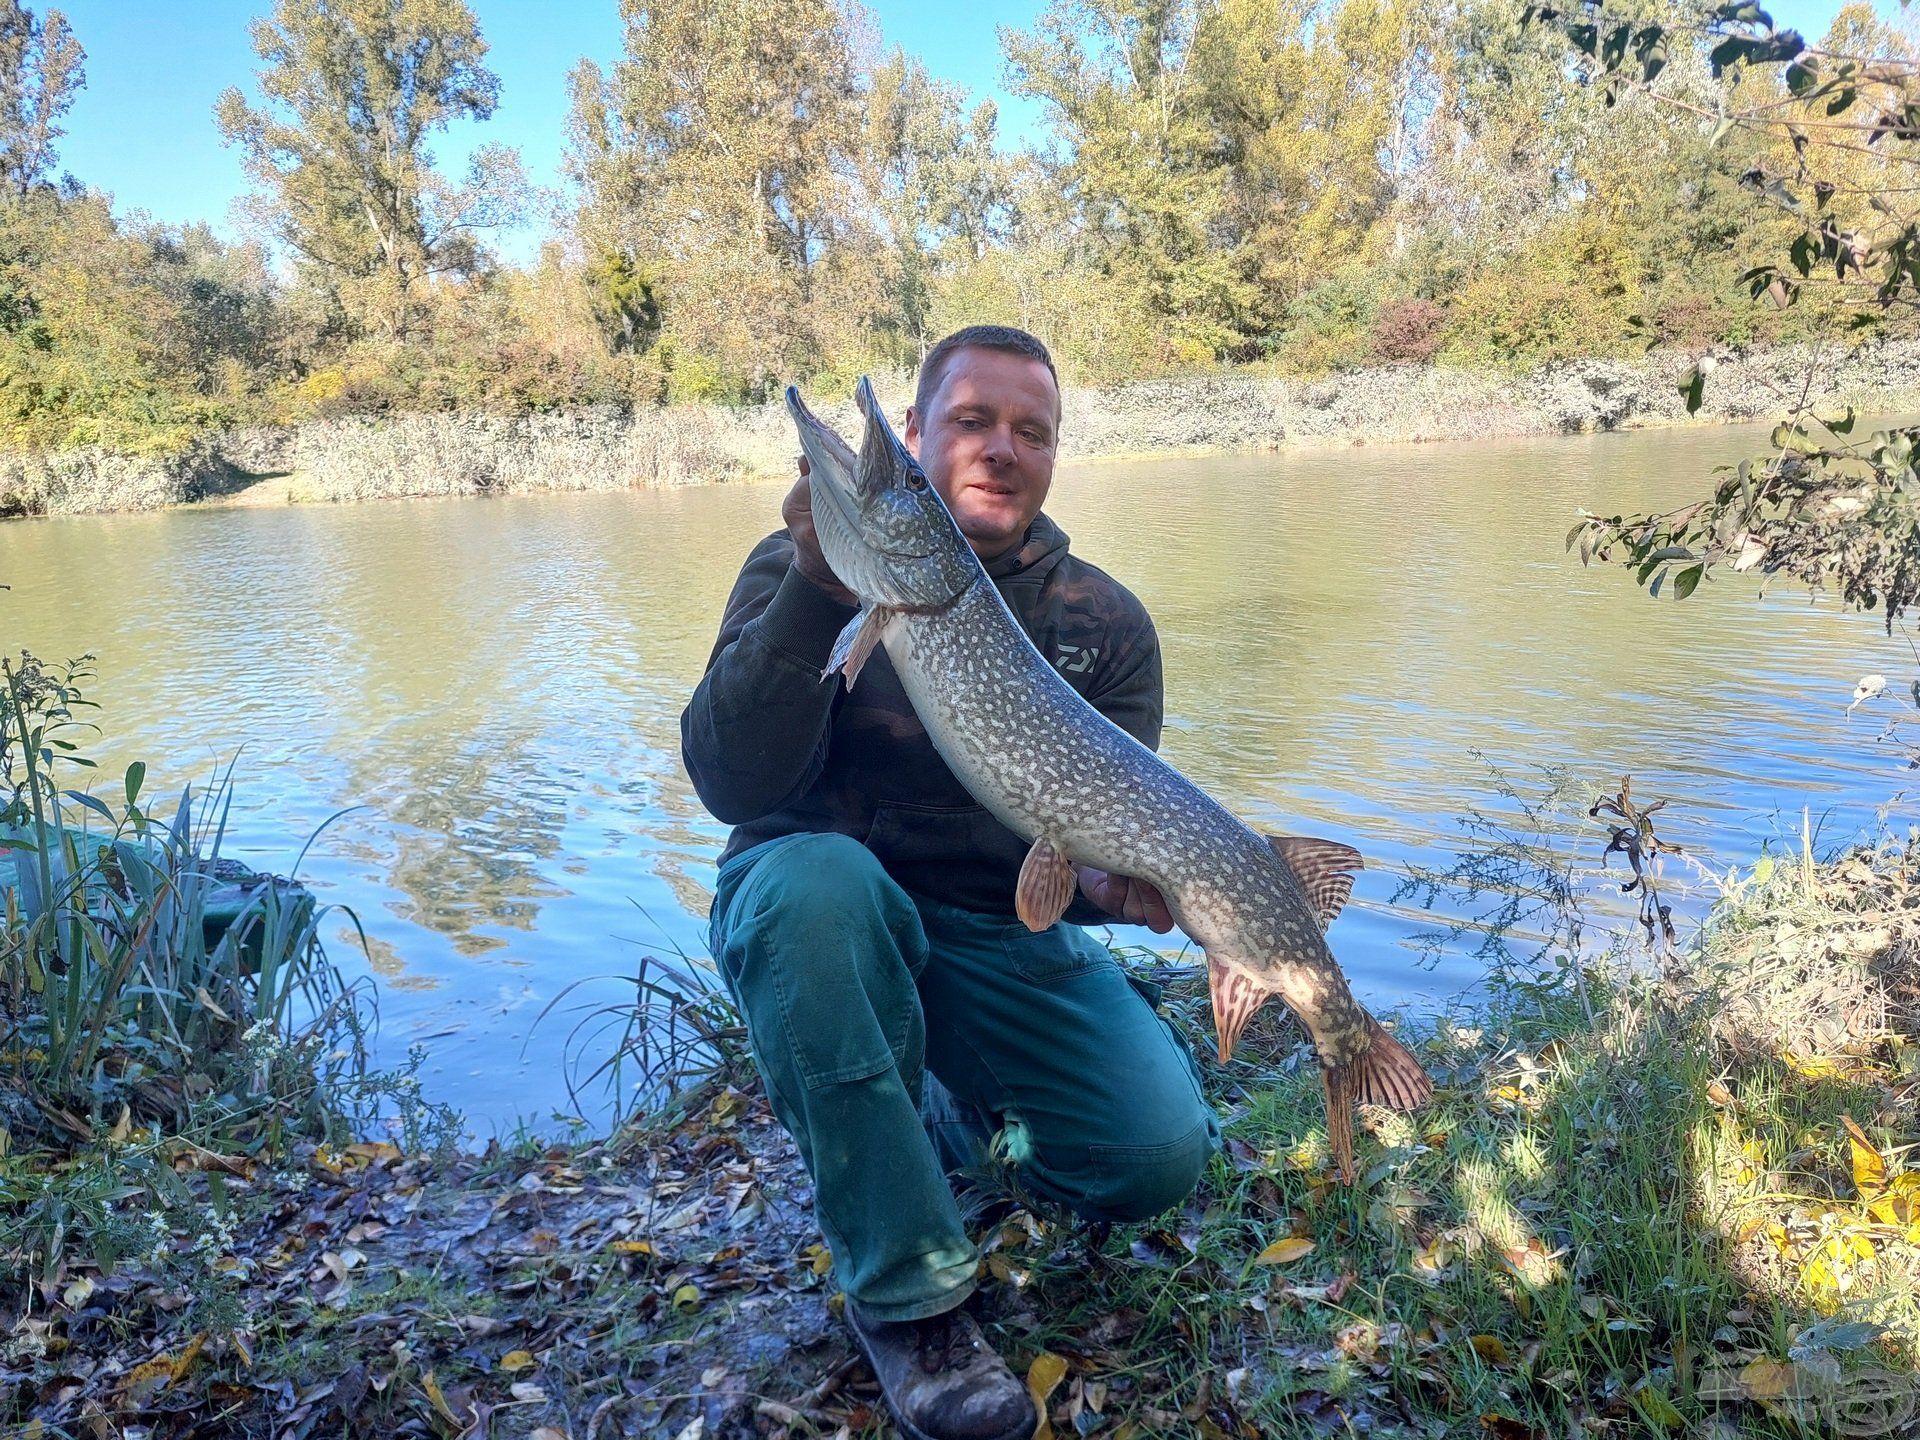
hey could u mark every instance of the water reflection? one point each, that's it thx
(497, 684)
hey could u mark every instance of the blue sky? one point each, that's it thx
(143, 128)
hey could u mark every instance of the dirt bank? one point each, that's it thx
(375, 457)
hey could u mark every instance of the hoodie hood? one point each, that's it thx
(1044, 547)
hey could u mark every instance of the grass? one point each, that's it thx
(1645, 1203)
(1649, 1198)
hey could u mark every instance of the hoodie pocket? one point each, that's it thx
(954, 853)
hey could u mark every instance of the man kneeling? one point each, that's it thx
(864, 921)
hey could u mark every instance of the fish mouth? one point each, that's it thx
(881, 452)
(832, 469)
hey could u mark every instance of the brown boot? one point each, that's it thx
(942, 1380)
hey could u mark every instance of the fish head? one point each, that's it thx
(881, 524)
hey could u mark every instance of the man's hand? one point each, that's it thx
(797, 511)
(1134, 901)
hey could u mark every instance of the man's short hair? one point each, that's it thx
(976, 337)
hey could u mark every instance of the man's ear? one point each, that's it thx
(910, 432)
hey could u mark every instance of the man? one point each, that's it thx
(863, 918)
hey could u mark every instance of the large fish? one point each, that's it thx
(1056, 772)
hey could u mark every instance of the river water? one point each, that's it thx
(1352, 639)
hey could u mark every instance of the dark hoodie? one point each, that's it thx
(773, 750)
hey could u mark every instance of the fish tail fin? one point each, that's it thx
(1337, 1081)
(1386, 1073)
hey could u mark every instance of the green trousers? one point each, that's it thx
(854, 989)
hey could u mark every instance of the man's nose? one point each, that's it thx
(999, 447)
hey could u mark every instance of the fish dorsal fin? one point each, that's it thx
(1046, 888)
(1324, 869)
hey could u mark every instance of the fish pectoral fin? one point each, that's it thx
(1046, 888)
(1324, 868)
(856, 642)
(1235, 998)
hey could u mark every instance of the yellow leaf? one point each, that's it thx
(632, 1247)
(1043, 1377)
(439, 1398)
(515, 1360)
(686, 1297)
(76, 1294)
(188, 1356)
(375, 1151)
(1284, 1252)
(1492, 1349)
(1869, 1166)
(1767, 1379)
(1660, 1409)
(822, 1259)
(1899, 1203)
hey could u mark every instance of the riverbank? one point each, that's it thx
(1636, 1206)
(392, 456)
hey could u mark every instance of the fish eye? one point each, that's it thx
(916, 481)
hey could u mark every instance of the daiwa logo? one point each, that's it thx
(1076, 660)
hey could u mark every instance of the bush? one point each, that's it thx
(1409, 330)
(1330, 326)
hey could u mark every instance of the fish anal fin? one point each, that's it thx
(1235, 998)
(856, 642)
(1386, 1072)
(1324, 868)
(1046, 887)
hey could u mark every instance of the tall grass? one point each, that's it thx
(130, 1015)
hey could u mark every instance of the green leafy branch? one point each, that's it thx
(1834, 138)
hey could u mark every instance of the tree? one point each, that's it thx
(40, 73)
(714, 156)
(351, 91)
(1144, 169)
(932, 186)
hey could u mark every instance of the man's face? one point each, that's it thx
(986, 443)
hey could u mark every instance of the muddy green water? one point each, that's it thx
(1351, 638)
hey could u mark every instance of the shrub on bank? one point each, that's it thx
(164, 1010)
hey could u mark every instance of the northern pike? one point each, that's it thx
(1062, 776)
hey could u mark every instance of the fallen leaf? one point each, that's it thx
(1505, 1427)
(686, 1297)
(1492, 1349)
(439, 1399)
(1043, 1377)
(1284, 1252)
(547, 1432)
(1768, 1379)
(1660, 1409)
(526, 1392)
(1869, 1166)
(516, 1360)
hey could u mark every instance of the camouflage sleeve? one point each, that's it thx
(754, 735)
(1130, 690)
